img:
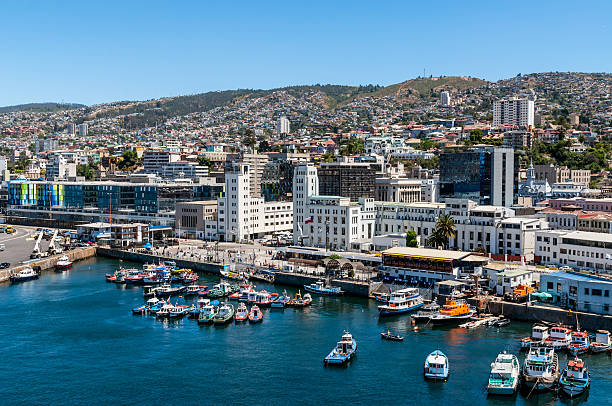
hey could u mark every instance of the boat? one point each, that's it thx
(224, 315)
(500, 322)
(255, 315)
(190, 278)
(343, 352)
(602, 342)
(222, 289)
(382, 297)
(140, 309)
(541, 369)
(63, 264)
(194, 311)
(454, 311)
(575, 379)
(26, 274)
(320, 288)
(164, 310)
(192, 290)
(580, 343)
(436, 366)
(231, 275)
(242, 314)
(392, 337)
(426, 312)
(207, 313)
(264, 299)
(280, 301)
(262, 277)
(401, 301)
(559, 338)
(148, 291)
(168, 290)
(133, 277)
(505, 374)
(299, 301)
(154, 308)
(538, 336)
(243, 293)
(178, 311)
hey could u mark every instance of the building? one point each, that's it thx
(284, 126)
(71, 129)
(60, 168)
(45, 145)
(430, 190)
(197, 220)
(595, 222)
(118, 235)
(445, 98)
(561, 174)
(348, 179)
(183, 169)
(256, 164)
(576, 249)
(82, 128)
(3, 164)
(583, 203)
(154, 161)
(483, 174)
(518, 139)
(580, 291)
(277, 180)
(506, 279)
(514, 111)
(401, 190)
(574, 119)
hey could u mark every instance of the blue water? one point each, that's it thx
(71, 339)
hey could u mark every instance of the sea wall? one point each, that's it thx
(49, 262)
(299, 280)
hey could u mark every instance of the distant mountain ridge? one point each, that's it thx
(41, 107)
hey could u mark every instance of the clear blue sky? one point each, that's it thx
(98, 51)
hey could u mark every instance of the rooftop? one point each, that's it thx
(427, 252)
(582, 277)
(589, 236)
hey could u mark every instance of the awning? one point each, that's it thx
(542, 295)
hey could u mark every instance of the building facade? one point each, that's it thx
(514, 111)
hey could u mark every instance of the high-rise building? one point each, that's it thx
(483, 174)
(284, 125)
(44, 145)
(256, 164)
(514, 111)
(305, 184)
(154, 161)
(445, 98)
(71, 129)
(347, 178)
(82, 129)
(60, 168)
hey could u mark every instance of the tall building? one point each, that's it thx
(154, 161)
(256, 164)
(562, 174)
(3, 163)
(445, 98)
(483, 174)
(305, 184)
(82, 129)
(60, 168)
(71, 129)
(284, 125)
(45, 145)
(347, 178)
(514, 111)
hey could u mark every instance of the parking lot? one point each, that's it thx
(19, 246)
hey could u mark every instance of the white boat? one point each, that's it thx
(504, 375)
(559, 338)
(343, 352)
(436, 366)
(539, 334)
(164, 311)
(602, 341)
(25, 274)
(63, 263)
(541, 368)
(320, 288)
(401, 301)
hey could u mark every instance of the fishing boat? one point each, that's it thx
(505, 374)
(194, 311)
(382, 297)
(26, 274)
(559, 338)
(401, 301)
(164, 310)
(221, 290)
(602, 342)
(538, 336)
(178, 311)
(224, 315)
(251, 296)
(207, 314)
(343, 352)
(320, 288)
(255, 315)
(63, 264)
(299, 301)
(264, 299)
(436, 366)
(541, 368)
(575, 379)
(140, 309)
(192, 290)
(426, 312)
(454, 311)
(231, 275)
(262, 277)
(190, 278)
(243, 293)
(154, 308)
(392, 337)
(580, 343)
(242, 314)
(280, 301)
(168, 290)
(133, 277)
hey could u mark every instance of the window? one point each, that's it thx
(586, 291)
(606, 293)
(573, 290)
(549, 286)
(596, 292)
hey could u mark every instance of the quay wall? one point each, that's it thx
(209, 267)
(49, 262)
(537, 313)
(352, 288)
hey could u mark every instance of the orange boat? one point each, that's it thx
(453, 312)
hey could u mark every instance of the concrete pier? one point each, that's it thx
(49, 262)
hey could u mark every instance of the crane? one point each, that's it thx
(53, 249)
(36, 252)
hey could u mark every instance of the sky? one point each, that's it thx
(100, 51)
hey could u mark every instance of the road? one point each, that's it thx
(19, 246)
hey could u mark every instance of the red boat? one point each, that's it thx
(255, 315)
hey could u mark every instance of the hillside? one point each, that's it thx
(41, 107)
(423, 87)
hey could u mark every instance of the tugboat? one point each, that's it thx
(26, 274)
(559, 338)
(538, 335)
(436, 366)
(242, 314)
(601, 343)
(401, 301)
(454, 311)
(255, 315)
(505, 374)
(580, 343)
(320, 288)
(575, 379)
(63, 264)
(343, 352)
(224, 315)
(541, 368)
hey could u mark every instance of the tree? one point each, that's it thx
(443, 231)
(264, 146)
(88, 171)
(476, 136)
(129, 161)
(249, 139)
(352, 146)
(204, 161)
(328, 157)
(411, 239)
(425, 145)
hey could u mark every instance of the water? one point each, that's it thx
(71, 338)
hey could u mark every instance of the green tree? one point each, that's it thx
(88, 171)
(476, 136)
(443, 231)
(425, 145)
(129, 161)
(352, 146)
(204, 161)
(328, 157)
(264, 146)
(411, 239)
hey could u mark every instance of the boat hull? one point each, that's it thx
(322, 292)
(574, 390)
(539, 384)
(502, 390)
(389, 311)
(454, 320)
(18, 279)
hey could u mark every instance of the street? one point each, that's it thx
(19, 246)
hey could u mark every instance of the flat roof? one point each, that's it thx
(514, 272)
(427, 252)
(589, 236)
(580, 277)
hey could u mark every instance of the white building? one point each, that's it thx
(445, 99)
(154, 161)
(60, 168)
(183, 169)
(3, 163)
(71, 129)
(82, 129)
(576, 249)
(430, 190)
(402, 190)
(284, 125)
(513, 111)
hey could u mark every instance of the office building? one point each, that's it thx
(576, 249)
(514, 111)
(445, 99)
(256, 164)
(518, 139)
(83, 129)
(483, 174)
(402, 190)
(71, 129)
(561, 174)
(197, 220)
(60, 168)
(45, 145)
(347, 178)
(579, 291)
(284, 125)
(154, 161)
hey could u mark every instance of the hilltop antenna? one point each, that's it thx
(423, 73)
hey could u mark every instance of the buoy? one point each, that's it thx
(413, 322)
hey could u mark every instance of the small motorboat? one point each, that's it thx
(580, 343)
(382, 297)
(575, 379)
(242, 314)
(299, 301)
(601, 343)
(392, 337)
(343, 352)
(436, 366)
(164, 311)
(167, 290)
(280, 301)
(505, 374)
(255, 315)
(157, 306)
(501, 322)
(224, 315)
(320, 288)
(26, 274)
(179, 311)
(141, 309)
(194, 311)
(193, 290)
(63, 264)
(207, 313)
(264, 299)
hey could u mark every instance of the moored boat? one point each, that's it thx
(541, 368)
(320, 288)
(575, 379)
(436, 366)
(242, 314)
(343, 352)
(505, 374)
(255, 315)
(264, 299)
(192, 290)
(168, 290)
(539, 334)
(299, 301)
(580, 343)
(164, 310)
(559, 338)
(454, 311)
(178, 311)
(207, 314)
(224, 315)
(426, 312)
(280, 301)
(401, 301)
(392, 337)
(63, 264)
(601, 343)
(26, 274)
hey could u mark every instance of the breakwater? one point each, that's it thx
(49, 263)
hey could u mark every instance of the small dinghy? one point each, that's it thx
(391, 337)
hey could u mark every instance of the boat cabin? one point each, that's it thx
(346, 344)
(454, 308)
(576, 369)
(602, 337)
(539, 361)
(560, 333)
(539, 332)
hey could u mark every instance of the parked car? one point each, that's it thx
(5, 265)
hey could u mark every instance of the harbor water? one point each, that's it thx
(70, 338)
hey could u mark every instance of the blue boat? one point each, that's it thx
(157, 307)
(140, 309)
(401, 301)
(26, 274)
(575, 379)
(320, 288)
(436, 366)
(281, 301)
(344, 351)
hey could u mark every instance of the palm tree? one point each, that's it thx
(443, 231)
